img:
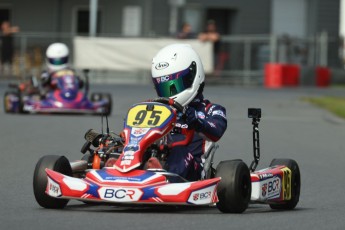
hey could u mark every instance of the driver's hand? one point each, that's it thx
(193, 121)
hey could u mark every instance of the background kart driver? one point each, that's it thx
(57, 55)
(178, 73)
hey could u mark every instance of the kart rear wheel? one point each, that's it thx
(7, 106)
(295, 184)
(96, 97)
(56, 163)
(103, 96)
(234, 189)
(108, 108)
(7, 102)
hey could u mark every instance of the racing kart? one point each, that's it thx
(65, 96)
(232, 185)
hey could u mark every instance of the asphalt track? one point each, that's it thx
(290, 128)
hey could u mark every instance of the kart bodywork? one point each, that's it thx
(64, 97)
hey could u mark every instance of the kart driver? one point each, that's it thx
(56, 59)
(177, 72)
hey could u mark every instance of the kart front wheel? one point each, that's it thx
(295, 184)
(234, 189)
(57, 163)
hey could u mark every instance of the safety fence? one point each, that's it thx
(240, 60)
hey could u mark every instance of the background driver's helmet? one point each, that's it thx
(177, 72)
(57, 56)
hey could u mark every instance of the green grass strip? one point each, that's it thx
(335, 105)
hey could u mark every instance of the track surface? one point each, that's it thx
(290, 128)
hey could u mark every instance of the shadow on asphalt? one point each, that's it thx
(159, 209)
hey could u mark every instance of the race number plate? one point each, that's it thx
(140, 116)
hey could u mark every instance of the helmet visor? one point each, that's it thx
(58, 61)
(170, 85)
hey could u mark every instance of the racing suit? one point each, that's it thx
(186, 160)
(48, 83)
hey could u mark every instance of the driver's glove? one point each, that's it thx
(193, 121)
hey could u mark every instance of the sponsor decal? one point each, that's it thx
(131, 148)
(126, 162)
(165, 78)
(201, 115)
(120, 194)
(265, 176)
(210, 109)
(271, 188)
(53, 188)
(213, 125)
(139, 131)
(219, 113)
(162, 65)
(28, 107)
(196, 196)
(182, 126)
(134, 140)
(264, 190)
(202, 196)
(119, 178)
(129, 155)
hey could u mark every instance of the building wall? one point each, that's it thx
(245, 17)
(248, 18)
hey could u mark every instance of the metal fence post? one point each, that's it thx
(273, 48)
(22, 62)
(323, 48)
(247, 61)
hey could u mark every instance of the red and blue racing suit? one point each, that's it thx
(186, 160)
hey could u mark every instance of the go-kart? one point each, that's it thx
(64, 96)
(231, 186)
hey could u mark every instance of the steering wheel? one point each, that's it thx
(171, 102)
(189, 133)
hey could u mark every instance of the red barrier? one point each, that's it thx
(273, 75)
(323, 76)
(291, 75)
(280, 75)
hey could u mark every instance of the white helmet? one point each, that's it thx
(177, 72)
(57, 56)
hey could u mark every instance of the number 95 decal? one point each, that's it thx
(139, 117)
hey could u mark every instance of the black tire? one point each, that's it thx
(56, 163)
(234, 189)
(108, 108)
(7, 109)
(295, 184)
(96, 97)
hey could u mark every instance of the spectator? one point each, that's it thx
(7, 49)
(211, 35)
(186, 32)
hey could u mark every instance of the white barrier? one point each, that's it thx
(129, 54)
